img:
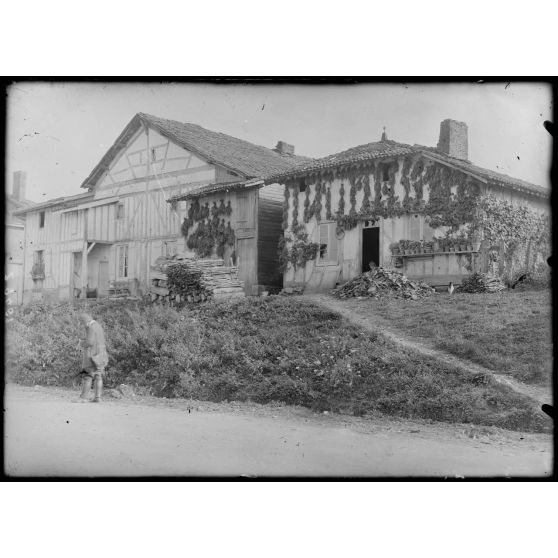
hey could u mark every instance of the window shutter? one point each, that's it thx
(333, 245)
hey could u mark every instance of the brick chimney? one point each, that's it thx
(19, 185)
(284, 148)
(453, 139)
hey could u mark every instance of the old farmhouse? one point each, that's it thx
(105, 239)
(428, 211)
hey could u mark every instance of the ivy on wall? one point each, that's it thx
(329, 215)
(211, 232)
(286, 208)
(295, 249)
(454, 201)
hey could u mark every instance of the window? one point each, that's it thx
(41, 219)
(328, 244)
(39, 257)
(384, 167)
(302, 186)
(123, 261)
(72, 217)
(120, 211)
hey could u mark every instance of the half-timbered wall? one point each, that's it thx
(127, 207)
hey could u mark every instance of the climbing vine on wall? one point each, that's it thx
(329, 215)
(454, 200)
(295, 206)
(306, 213)
(286, 208)
(295, 249)
(211, 232)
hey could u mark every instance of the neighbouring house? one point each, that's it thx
(106, 239)
(239, 221)
(429, 212)
(15, 238)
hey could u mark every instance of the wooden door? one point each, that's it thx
(246, 245)
(103, 285)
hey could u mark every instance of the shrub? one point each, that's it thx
(262, 350)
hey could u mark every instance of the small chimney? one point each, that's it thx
(19, 185)
(384, 135)
(453, 139)
(284, 148)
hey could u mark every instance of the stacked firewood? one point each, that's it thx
(480, 283)
(193, 280)
(380, 283)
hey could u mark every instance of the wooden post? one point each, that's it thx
(83, 293)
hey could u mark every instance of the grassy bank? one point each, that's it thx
(262, 350)
(508, 332)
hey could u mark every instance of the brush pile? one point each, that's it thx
(178, 278)
(480, 283)
(383, 283)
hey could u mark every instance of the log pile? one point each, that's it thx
(198, 280)
(383, 283)
(480, 283)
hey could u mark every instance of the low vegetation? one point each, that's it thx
(508, 332)
(274, 349)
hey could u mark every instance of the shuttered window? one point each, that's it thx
(329, 248)
(123, 261)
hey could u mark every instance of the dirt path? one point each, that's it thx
(538, 394)
(47, 434)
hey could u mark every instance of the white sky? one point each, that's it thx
(57, 132)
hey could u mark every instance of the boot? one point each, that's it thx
(85, 388)
(98, 388)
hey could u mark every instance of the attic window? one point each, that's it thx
(41, 219)
(153, 155)
(384, 168)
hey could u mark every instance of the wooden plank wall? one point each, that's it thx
(59, 238)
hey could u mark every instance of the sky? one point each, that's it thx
(57, 132)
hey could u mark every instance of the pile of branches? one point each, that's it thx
(380, 283)
(480, 283)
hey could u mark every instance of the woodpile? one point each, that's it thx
(383, 283)
(480, 283)
(194, 280)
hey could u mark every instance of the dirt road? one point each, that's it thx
(47, 434)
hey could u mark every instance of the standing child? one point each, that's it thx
(95, 358)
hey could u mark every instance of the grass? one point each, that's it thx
(507, 332)
(267, 350)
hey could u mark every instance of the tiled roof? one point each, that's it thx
(216, 187)
(366, 152)
(487, 174)
(67, 201)
(245, 158)
(388, 148)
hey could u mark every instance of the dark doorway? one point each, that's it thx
(370, 247)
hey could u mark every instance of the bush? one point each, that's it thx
(273, 349)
